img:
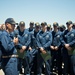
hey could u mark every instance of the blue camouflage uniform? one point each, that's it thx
(57, 54)
(33, 44)
(24, 40)
(9, 64)
(44, 39)
(68, 37)
(34, 50)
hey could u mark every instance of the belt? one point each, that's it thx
(34, 47)
(9, 56)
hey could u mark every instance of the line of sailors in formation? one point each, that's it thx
(37, 46)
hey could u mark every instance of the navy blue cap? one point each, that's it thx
(55, 24)
(62, 26)
(68, 22)
(43, 23)
(37, 24)
(31, 23)
(22, 23)
(10, 21)
(49, 25)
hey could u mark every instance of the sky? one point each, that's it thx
(49, 11)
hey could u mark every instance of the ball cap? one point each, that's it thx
(62, 26)
(43, 23)
(49, 25)
(37, 24)
(10, 21)
(55, 24)
(68, 22)
(31, 23)
(22, 23)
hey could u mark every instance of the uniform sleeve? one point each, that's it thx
(49, 41)
(19, 45)
(59, 43)
(38, 41)
(28, 41)
(31, 39)
(7, 44)
(62, 39)
(72, 43)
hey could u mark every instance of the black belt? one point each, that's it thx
(34, 47)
